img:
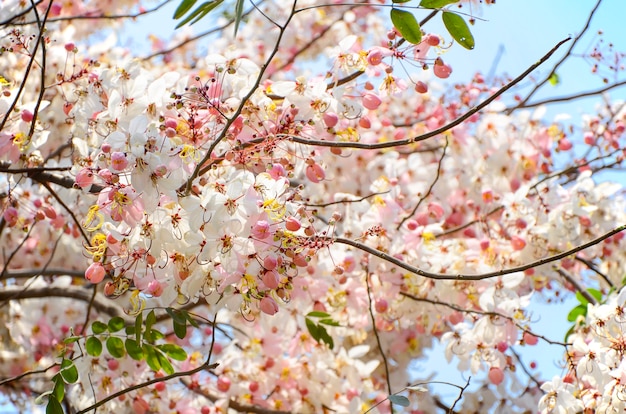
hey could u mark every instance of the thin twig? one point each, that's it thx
(423, 137)
(430, 189)
(560, 62)
(442, 276)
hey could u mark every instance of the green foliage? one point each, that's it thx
(458, 29)
(554, 79)
(317, 330)
(116, 324)
(202, 10)
(436, 4)
(407, 25)
(54, 406)
(399, 400)
(68, 374)
(578, 314)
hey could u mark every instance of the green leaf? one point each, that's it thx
(180, 330)
(330, 322)
(183, 8)
(407, 25)
(238, 14)
(155, 335)
(150, 321)
(313, 329)
(71, 339)
(399, 400)
(166, 366)
(174, 351)
(93, 346)
(68, 371)
(40, 398)
(583, 300)
(134, 350)
(53, 406)
(59, 388)
(458, 29)
(151, 357)
(191, 320)
(98, 327)
(115, 346)
(116, 324)
(436, 4)
(138, 323)
(553, 79)
(580, 310)
(327, 339)
(317, 314)
(596, 294)
(569, 332)
(202, 10)
(176, 315)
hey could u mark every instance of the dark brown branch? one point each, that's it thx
(375, 330)
(565, 275)
(442, 276)
(203, 367)
(560, 62)
(88, 16)
(572, 97)
(430, 188)
(27, 273)
(100, 303)
(244, 101)
(450, 125)
(5, 381)
(490, 314)
(237, 406)
(594, 269)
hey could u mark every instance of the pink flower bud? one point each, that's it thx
(223, 383)
(421, 87)
(375, 57)
(70, 47)
(371, 101)
(95, 273)
(292, 224)
(270, 263)
(330, 119)
(441, 70)
(496, 376)
(261, 230)
(432, 40)
(315, 173)
(530, 339)
(277, 171)
(268, 305)
(84, 178)
(155, 288)
(119, 162)
(518, 243)
(10, 216)
(27, 116)
(271, 279)
(381, 305)
(565, 144)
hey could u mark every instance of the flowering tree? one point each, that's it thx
(282, 219)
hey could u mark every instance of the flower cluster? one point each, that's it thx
(283, 206)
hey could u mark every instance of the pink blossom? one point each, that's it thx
(95, 273)
(268, 305)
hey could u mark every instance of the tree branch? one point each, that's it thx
(442, 276)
